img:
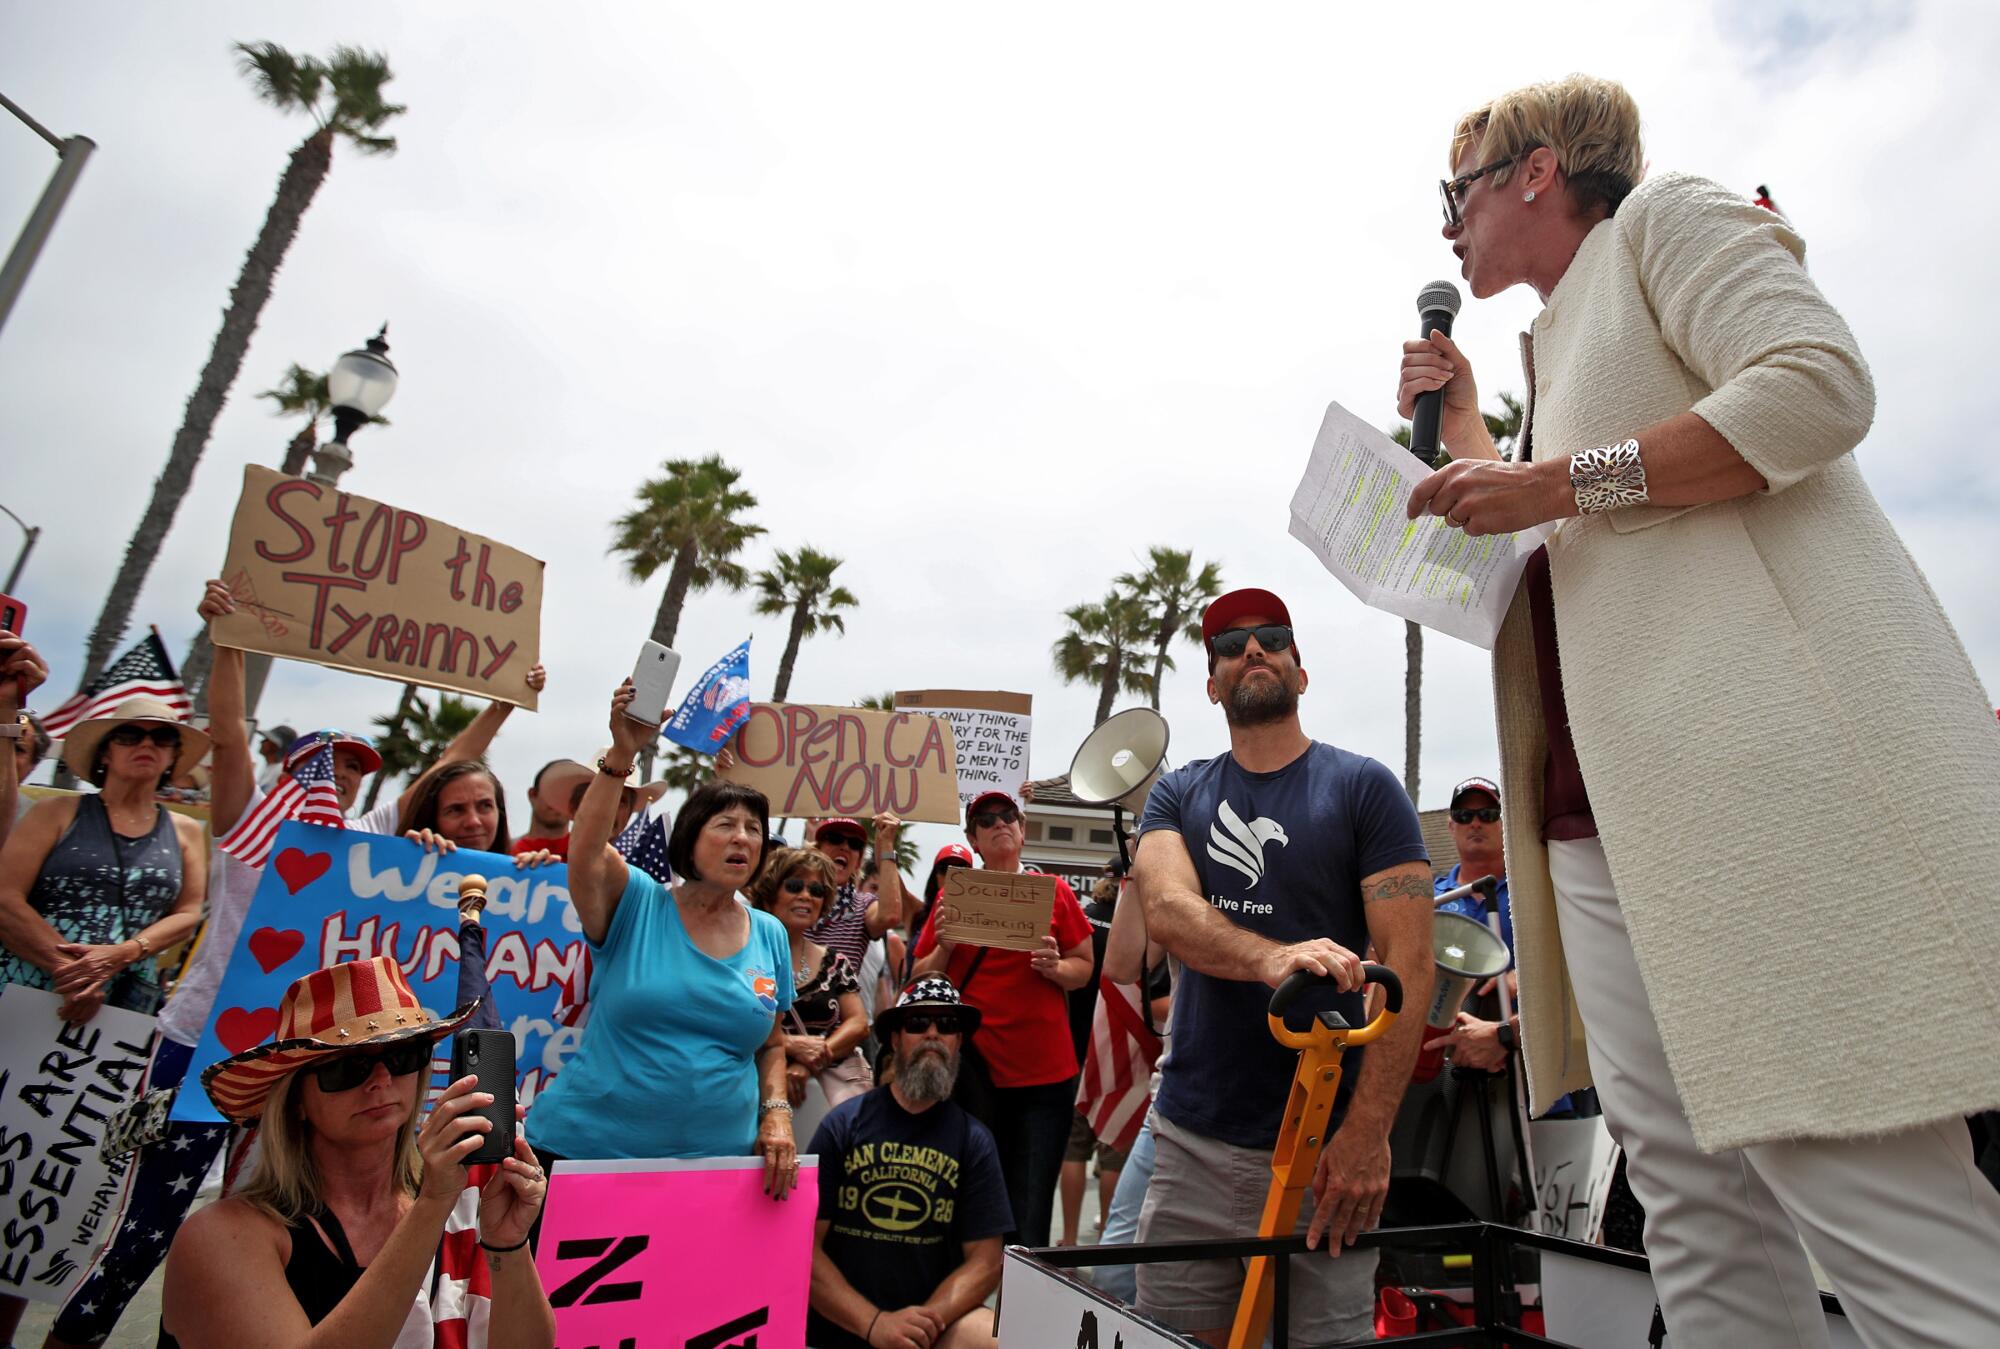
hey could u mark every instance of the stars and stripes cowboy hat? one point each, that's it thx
(331, 1011)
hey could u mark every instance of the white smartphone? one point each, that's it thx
(653, 678)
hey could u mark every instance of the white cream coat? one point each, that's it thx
(1794, 769)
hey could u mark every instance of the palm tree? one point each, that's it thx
(1174, 594)
(688, 522)
(1505, 428)
(343, 96)
(1105, 646)
(684, 769)
(801, 584)
(413, 737)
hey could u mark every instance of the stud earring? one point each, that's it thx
(1528, 197)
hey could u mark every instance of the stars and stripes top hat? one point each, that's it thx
(932, 993)
(81, 743)
(330, 1011)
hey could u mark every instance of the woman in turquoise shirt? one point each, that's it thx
(684, 1053)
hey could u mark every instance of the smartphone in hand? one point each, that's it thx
(489, 1056)
(13, 615)
(653, 680)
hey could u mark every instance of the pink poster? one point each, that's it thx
(677, 1255)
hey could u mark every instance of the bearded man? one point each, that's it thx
(912, 1205)
(1284, 854)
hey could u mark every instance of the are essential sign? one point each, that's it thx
(329, 577)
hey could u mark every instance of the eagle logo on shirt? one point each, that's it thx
(1242, 846)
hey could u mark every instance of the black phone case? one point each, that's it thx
(489, 1056)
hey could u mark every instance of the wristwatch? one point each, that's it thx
(1510, 1040)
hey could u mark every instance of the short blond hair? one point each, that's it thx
(1592, 125)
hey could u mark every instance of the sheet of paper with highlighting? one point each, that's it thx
(1349, 510)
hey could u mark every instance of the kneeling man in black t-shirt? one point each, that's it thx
(912, 1204)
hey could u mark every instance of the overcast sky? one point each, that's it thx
(982, 300)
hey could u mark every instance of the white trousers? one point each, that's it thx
(1905, 1226)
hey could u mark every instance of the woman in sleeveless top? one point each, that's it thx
(335, 1236)
(92, 888)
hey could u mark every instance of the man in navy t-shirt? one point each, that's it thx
(1284, 854)
(912, 1206)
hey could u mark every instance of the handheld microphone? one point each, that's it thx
(1437, 305)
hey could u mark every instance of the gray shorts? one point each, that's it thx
(1205, 1189)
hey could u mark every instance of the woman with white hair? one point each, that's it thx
(1748, 763)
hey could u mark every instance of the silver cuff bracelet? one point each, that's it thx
(1607, 477)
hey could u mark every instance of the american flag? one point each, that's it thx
(1118, 1068)
(304, 792)
(644, 845)
(146, 671)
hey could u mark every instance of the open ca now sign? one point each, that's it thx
(329, 577)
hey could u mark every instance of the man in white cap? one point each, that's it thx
(1283, 855)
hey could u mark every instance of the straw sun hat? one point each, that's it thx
(330, 1011)
(81, 744)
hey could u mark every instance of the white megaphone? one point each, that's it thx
(1466, 952)
(1117, 765)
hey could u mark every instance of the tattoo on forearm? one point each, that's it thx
(1408, 886)
(493, 1262)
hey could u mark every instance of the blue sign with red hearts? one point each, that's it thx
(331, 895)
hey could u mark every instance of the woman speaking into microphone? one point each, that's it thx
(1761, 762)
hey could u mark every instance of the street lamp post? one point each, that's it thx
(71, 155)
(359, 386)
(29, 534)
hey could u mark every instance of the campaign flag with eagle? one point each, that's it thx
(146, 671)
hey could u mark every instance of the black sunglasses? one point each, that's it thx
(1483, 814)
(854, 841)
(1453, 190)
(798, 885)
(1233, 642)
(127, 736)
(986, 819)
(947, 1023)
(349, 1071)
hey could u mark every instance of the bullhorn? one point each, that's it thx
(1466, 952)
(1117, 765)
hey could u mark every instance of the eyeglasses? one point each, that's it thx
(986, 819)
(853, 841)
(127, 736)
(1233, 642)
(349, 1071)
(1484, 814)
(947, 1023)
(1453, 191)
(797, 885)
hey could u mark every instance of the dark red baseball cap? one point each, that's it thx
(1229, 610)
(843, 824)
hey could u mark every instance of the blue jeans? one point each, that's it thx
(1121, 1224)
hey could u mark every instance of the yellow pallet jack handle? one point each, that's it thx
(1303, 1134)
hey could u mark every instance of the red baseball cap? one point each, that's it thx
(1227, 611)
(821, 829)
(954, 852)
(972, 806)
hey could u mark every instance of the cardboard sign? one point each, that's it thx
(1007, 909)
(688, 1254)
(1044, 1308)
(325, 576)
(990, 731)
(813, 762)
(60, 1085)
(331, 895)
(1575, 1160)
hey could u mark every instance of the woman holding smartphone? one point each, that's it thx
(684, 1054)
